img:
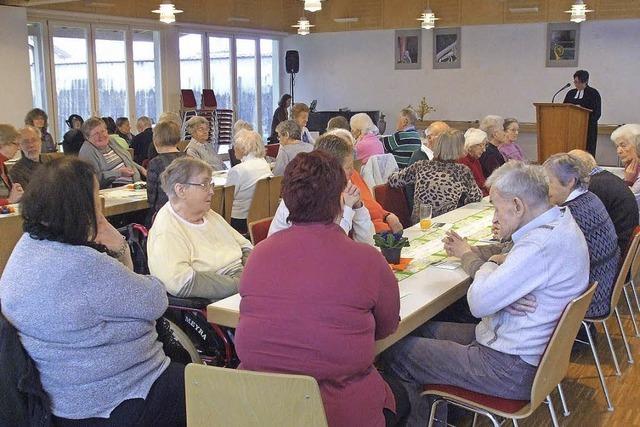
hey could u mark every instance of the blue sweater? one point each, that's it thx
(87, 321)
(550, 260)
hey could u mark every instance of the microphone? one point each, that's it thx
(561, 89)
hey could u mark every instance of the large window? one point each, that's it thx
(94, 70)
(36, 65)
(111, 70)
(242, 71)
(146, 73)
(220, 70)
(73, 93)
(268, 82)
(246, 81)
(190, 46)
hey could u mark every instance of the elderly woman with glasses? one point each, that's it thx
(191, 248)
(475, 142)
(9, 145)
(627, 141)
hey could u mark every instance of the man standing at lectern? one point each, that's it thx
(587, 97)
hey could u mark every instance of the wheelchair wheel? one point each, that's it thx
(184, 340)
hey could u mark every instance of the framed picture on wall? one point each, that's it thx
(562, 44)
(408, 49)
(446, 48)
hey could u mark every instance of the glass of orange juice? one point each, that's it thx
(425, 216)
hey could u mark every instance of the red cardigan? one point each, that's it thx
(476, 168)
(318, 312)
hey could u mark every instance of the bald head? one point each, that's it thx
(585, 158)
(434, 130)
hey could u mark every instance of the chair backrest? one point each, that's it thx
(182, 145)
(11, 231)
(632, 253)
(272, 150)
(187, 100)
(260, 207)
(49, 157)
(208, 100)
(233, 397)
(555, 360)
(393, 200)
(229, 193)
(217, 200)
(635, 264)
(275, 190)
(258, 230)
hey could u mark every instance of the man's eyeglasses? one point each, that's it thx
(206, 187)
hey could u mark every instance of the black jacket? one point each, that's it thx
(23, 402)
(140, 145)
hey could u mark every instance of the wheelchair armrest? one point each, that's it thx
(195, 303)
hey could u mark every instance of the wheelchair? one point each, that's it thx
(205, 342)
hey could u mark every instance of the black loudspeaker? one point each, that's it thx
(292, 61)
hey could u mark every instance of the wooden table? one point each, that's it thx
(115, 201)
(422, 295)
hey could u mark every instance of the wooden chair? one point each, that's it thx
(217, 201)
(258, 230)
(260, 205)
(233, 397)
(613, 310)
(49, 157)
(551, 370)
(11, 231)
(395, 201)
(229, 193)
(633, 275)
(275, 190)
(182, 145)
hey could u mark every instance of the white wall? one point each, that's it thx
(15, 96)
(503, 71)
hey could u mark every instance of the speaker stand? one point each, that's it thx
(292, 83)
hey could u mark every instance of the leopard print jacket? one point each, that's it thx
(444, 185)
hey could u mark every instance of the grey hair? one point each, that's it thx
(410, 115)
(343, 133)
(363, 123)
(145, 121)
(526, 182)
(241, 125)
(289, 128)
(566, 167)
(629, 132)
(196, 121)
(249, 141)
(170, 116)
(33, 129)
(449, 146)
(491, 124)
(181, 171)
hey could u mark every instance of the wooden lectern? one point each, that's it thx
(561, 128)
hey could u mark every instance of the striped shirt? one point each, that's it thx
(114, 162)
(402, 145)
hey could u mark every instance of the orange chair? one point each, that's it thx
(272, 150)
(258, 230)
(551, 370)
(393, 200)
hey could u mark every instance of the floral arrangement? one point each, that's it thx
(423, 108)
(389, 240)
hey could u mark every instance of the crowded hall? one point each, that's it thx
(319, 213)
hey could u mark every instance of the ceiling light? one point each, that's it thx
(303, 26)
(578, 11)
(167, 12)
(312, 5)
(428, 19)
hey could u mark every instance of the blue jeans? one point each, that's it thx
(447, 353)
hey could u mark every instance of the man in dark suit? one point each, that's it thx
(587, 97)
